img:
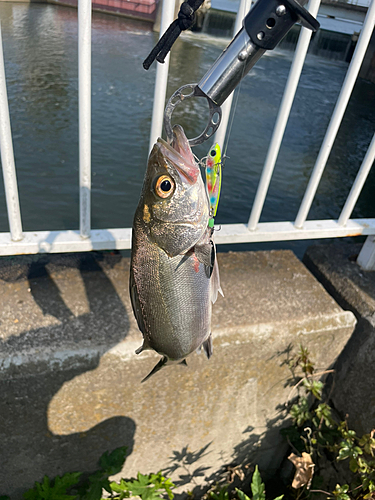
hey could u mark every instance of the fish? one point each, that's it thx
(174, 275)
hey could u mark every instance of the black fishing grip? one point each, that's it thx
(270, 20)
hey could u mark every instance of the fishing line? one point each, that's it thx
(231, 117)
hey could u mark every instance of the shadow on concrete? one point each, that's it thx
(236, 473)
(29, 449)
(264, 446)
(184, 462)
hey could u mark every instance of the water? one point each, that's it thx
(40, 49)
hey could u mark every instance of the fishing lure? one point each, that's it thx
(213, 180)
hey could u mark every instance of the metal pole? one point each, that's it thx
(7, 157)
(84, 98)
(366, 257)
(161, 79)
(337, 115)
(358, 184)
(282, 118)
(243, 9)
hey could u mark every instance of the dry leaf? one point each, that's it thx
(235, 471)
(304, 470)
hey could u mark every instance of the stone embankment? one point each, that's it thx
(70, 380)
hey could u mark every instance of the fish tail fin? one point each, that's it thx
(156, 368)
(208, 347)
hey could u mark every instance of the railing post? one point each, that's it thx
(243, 9)
(84, 99)
(282, 118)
(161, 79)
(358, 184)
(7, 157)
(366, 257)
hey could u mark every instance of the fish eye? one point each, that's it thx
(213, 152)
(164, 186)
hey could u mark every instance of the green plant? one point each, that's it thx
(148, 487)
(55, 489)
(258, 490)
(79, 486)
(317, 432)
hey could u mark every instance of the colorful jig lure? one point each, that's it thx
(213, 180)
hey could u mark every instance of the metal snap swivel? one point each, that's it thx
(180, 95)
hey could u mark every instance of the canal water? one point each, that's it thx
(40, 50)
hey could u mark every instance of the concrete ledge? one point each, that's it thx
(354, 289)
(70, 381)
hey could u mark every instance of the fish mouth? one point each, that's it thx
(180, 155)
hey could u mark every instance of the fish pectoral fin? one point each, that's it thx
(208, 347)
(205, 253)
(183, 362)
(163, 361)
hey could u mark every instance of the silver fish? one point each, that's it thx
(174, 277)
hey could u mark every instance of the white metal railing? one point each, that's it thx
(18, 242)
(7, 157)
(84, 103)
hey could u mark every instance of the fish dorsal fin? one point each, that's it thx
(162, 362)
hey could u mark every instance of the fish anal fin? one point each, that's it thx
(157, 367)
(208, 347)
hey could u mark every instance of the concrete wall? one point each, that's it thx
(70, 381)
(354, 289)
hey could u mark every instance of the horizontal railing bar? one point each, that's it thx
(120, 239)
(337, 115)
(7, 157)
(282, 118)
(358, 184)
(286, 231)
(66, 241)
